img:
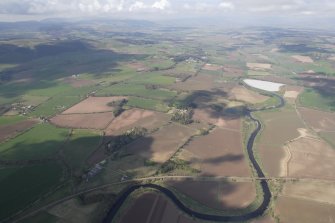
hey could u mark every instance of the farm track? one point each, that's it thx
(219, 218)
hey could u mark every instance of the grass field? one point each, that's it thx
(81, 144)
(22, 185)
(136, 90)
(7, 120)
(152, 78)
(150, 104)
(55, 105)
(313, 99)
(40, 142)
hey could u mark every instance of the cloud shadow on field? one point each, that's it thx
(225, 158)
(45, 64)
(207, 193)
(211, 102)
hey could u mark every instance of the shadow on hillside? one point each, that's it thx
(322, 85)
(46, 63)
(212, 103)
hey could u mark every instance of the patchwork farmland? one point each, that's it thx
(140, 122)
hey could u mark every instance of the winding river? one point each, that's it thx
(219, 218)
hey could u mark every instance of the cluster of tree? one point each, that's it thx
(151, 86)
(118, 106)
(126, 138)
(183, 116)
(176, 164)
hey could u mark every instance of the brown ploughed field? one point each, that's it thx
(303, 59)
(136, 118)
(259, 66)
(161, 145)
(318, 120)
(199, 82)
(219, 153)
(212, 67)
(93, 105)
(84, 121)
(153, 208)
(233, 71)
(215, 118)
(311, 158)
(279, 127)
(241, 93)
(217, 194)
(298, 210)
(8, 131)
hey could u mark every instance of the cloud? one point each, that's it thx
(227, 5)
(137, 6)
(174, 7)
(162, 4)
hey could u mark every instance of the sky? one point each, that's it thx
(165, 9)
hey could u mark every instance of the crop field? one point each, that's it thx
(283, 124)
(152, 78)
(137, 90)
(241, 93)
(217, 194)
(212, 67)
(219, 153)
(93, 105)
(292, 93)
(183, 125)
(10, 130)
(79, 147)
(21, 186)
(151, 207)
(10, 120)
(322, 191)
(40, 142)
(83, 121)
(77, 83)
(199, 82)
(33, 100)
(147, 103)
(216, 118)
(161, 145)
(318, 120)
(137, 118)
(314, 99)
(259, 66)
(303, 59)
(298, 210)
(329, 137)
(314, 153)
(55, 105)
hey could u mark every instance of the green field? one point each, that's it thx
(145, 103)
(40, 142)
(137, 90)
(21, 186)
(80, 145)
(7, 120)
(313, 99)
(152, 78)
(55, 105)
